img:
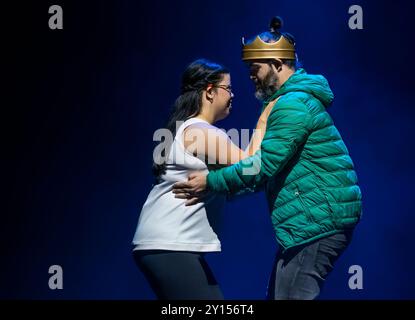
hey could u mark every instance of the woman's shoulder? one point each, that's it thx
(202, 126)
(202, 132)
(196, 123)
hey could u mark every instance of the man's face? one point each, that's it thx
(264, 78)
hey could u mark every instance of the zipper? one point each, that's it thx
(297, 193)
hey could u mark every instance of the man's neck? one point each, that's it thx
(283, 76)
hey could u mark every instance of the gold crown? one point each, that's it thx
(259, 49)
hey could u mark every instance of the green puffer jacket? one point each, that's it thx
(303, 164)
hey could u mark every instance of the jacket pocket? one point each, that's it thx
(330, 209)
(306, 210)
(326, 197)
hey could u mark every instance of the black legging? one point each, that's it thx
(178, 275)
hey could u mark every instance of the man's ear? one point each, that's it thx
(277, 64)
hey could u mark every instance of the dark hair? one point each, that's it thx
(197, 76)
(274, 35)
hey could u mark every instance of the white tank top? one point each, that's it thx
(165, 223)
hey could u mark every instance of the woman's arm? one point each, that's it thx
(213, 146)
(261, 127)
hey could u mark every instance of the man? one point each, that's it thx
(303, 165)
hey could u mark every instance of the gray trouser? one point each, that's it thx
(300, 272)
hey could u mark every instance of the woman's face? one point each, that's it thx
(222, 100)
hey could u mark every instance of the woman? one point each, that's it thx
(171, 238)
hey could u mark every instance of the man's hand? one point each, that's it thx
(193, 190)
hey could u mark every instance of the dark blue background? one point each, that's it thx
(85, 101)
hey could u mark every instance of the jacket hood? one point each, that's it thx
(316, 85)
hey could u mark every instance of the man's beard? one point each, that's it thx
(266, 88)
